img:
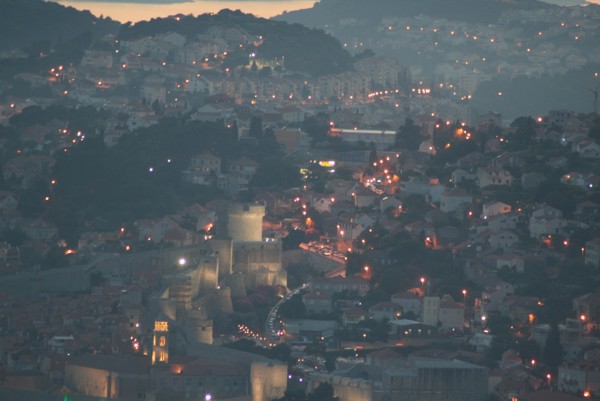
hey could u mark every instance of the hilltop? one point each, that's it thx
(481, 11)
(23, 22)
(305, 50)
(42, 28)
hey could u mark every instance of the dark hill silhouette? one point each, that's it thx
(483, 11)
(306, 50)
(23, 22)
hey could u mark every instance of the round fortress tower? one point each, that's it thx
(244, 221)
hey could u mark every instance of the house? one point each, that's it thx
(494, 208)
(306, 331)
(546, 220)
(443, 312)
(178, 236)
(453, 198)
(511, 261)
(451, 314)
(213, 112)
(342, 189)
(352, 316)
(244, 166)
(488, 176)
(206, 163)
(339, 284)
(503, 240)
(532, 180)
(502, 222)
(203, 169)
(585, 307)
(481, 341)
(432, 190)
(471, 161)
(292, 114)
(318, 302)
(512, 159)
(293, 140)
(323, 204)
(406, 328)
(592, 252)
(409, 302)
(460, 175)
(574, 179)
(364, 197)
(40, 230)
(519, 307)
(385, 311)
(575, 376)
(588, 211)
(233, 183)
(489, 119)
(155, 230)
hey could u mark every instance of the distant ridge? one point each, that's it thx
(23, 22)
(305, 50)
(483, 11)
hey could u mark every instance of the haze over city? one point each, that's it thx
(342, 200)
(140, 10)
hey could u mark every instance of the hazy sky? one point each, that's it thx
(136, 10)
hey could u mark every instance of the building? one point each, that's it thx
(409, 303)
(452, 199)
(339, 284)
(592, 252)
(493, 176)
(306, 331)
(382, 139)
(494, 208)
(412, 378)
(443, 313)
(318, 302)
(385, 311)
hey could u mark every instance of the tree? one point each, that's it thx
(553, 350)
(323, 392)
(293, 308)
(594, 132)
(293, 395)
(276, 172)
(255, 130)
(408, 136)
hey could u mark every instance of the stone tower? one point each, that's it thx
(431, 310)
(199, 328)
(244, 221)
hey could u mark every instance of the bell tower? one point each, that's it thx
(160, 342)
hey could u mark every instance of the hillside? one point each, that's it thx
(23, 22)
(483, 11)
(306, 50)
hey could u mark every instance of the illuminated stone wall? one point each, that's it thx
(269, 380)
(245, 221)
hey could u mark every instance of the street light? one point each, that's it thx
(464, 292)
(182, 262)
(208, 397)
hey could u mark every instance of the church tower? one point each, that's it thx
(160, 342)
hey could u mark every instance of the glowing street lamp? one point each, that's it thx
(182, 261)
